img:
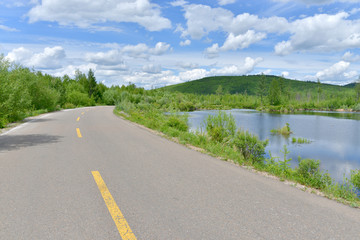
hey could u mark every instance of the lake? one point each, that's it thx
(334, 136)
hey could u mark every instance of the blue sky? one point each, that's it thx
(157, 43)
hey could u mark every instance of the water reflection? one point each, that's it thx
(335, 136)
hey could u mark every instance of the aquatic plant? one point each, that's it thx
(285, 130)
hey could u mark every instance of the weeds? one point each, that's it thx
(285, 131)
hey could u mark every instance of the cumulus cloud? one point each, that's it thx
(151, 68)
(246, 67)
(317, 34)
(187, 42)
(202, 19)
(178, 3)
(160, 48)
(336, 72)
(242, 40)
(350, 57)
(213, 51)
(187, 65)
(85, 13)
(112, 57)
(141, 50)
(309, 34)
(233, 42)
(49, 58)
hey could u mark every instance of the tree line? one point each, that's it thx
(25, 92)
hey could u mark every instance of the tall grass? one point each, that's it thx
(222, 139)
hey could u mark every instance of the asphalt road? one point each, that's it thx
(164, 190)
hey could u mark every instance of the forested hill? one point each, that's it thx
(248, 85)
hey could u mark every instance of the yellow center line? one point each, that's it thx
(78, 119)
(119, 219)
(82, 113)
(78, 133)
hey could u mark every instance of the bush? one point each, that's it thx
(250, 146)
(310, 174)
(176, 122)
(220, 127)
(355, 178)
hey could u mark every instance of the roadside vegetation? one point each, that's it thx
(24, 92)
(161, 110)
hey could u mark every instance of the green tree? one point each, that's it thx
(357, 89)
(318, 89)
(262, 87)
(274, 93)
(219, 90)
(91, 82)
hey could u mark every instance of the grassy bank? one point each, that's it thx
(222, 139)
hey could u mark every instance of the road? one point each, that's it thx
(49, 188)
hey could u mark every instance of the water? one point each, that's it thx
(335, 137)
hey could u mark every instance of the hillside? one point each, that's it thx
(248, 85)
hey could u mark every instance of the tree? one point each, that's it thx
(219, 90)
(274, 93)
(357, 89)
(262, 87)
(91, 82)
(319, 89)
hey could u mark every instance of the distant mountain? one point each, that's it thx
(248, 85)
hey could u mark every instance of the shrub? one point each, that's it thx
(250, 146)
(220, 127)
(355, 178)
(176, 122)
(310, 174)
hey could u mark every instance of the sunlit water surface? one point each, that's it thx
(335, 137)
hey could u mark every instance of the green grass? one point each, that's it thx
(243, 148)
(285, 130)
(300, 140)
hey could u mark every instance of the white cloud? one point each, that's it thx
(242, 40)
(193, 74)
(141, 50)
(309, 34)
(70, 69)
(225, 2)
(350, 57)
(178, 3)
(112, 57)
(85, 13)
(213, 51)
(187, 42)
(202, 19)
(336, 72)
(285, 74)
(319, 2)
(187, 65)
(19, 55)
(233, 42)
(8, 29)
(49, 58)
(160, 48)
(151, 68)
(317, 34)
